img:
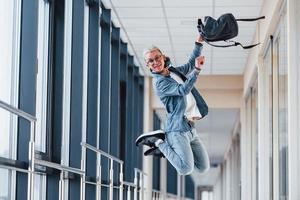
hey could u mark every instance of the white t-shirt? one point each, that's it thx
(191, 111)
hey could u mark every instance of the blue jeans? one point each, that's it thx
(185, 152)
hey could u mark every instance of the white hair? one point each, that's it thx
(150, 49)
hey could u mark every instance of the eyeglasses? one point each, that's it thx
(156, 59)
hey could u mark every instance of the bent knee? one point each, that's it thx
(202, 168)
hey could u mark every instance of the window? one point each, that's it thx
(41, 90)
(255, 136)
(9, 66)
(252, 136)
(10, 22)
(276, 62)
(42, 75)
(55, 81)
(267, 63)
(282, 110)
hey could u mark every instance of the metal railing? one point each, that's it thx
(156, 195)
(32, 121)
(62, 169)
(35, 161)
(128, 187)
(171, 196)
(139, 175)
(137, 187)
(111, 159)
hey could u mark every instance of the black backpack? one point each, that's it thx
(222, 29)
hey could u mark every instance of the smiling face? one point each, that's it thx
(155, 60)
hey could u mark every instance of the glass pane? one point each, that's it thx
(4, 184)
(250, 144)
(6, 61)
(42, 81)
(39, 187)
(283, 115)
(9, 58)
(268, 65)
(4, 136)
(255, 134)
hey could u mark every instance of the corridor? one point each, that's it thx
(75, 93)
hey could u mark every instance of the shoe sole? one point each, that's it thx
(150, 151)
(152, 133)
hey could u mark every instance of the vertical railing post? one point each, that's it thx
(121, 181)
(142, 185)
(61, 186)
(128, 193)
(31, 150)
(98, 188)
(111, 179)
(135, 181)
(82, 179)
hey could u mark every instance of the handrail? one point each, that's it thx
(156, 191)
(140, 171)
(31, 148)
(172, 195)
(59, 167)
(14, 168)
(88, 146)
(129, 184)
(17, 111)
(139, 174)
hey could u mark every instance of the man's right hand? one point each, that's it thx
(199, 62)
(199, 39)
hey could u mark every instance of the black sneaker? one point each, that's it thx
(154, 151)
(150, 138)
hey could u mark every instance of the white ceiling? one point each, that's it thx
(171, 25)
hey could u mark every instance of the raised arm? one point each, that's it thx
(186, 68)
(169, 87)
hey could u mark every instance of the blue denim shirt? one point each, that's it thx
(173, 95)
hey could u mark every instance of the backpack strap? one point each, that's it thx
(199, 22)
(201, 104)
(232, 45)
(175, 71)
(250, 19)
